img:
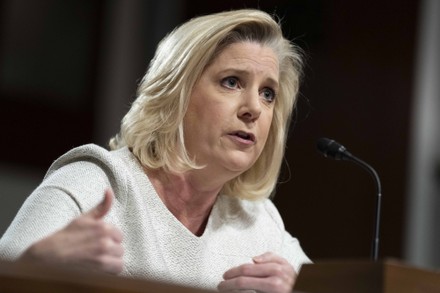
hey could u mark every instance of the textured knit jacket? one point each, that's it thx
(156, 245)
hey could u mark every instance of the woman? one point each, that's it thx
(187, 182)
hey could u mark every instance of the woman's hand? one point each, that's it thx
(86, 242)
(269, 273)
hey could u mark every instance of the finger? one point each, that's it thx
(241, 284)
(103, 207)
(255, 270)
(282, 266)
(270, 257)
(103, 251)
(116, 234)
(272, 285)
(115, 266)
(105, 263)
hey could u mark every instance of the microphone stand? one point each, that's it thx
(373, 173)
(331, 149)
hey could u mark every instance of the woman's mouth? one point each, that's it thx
(243, 136)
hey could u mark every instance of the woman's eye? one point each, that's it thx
(268, 94)
(230, 82)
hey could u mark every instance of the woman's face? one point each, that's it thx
(231, 107)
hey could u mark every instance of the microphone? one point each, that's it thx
(334, 150)
(331, 149)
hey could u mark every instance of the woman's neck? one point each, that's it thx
(186, 197)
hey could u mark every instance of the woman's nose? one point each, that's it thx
(250, 108)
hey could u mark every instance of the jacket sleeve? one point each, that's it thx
(45, 211)
(292, 251)
(290, 247)
(63, 195)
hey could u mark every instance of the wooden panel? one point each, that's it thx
(341, 277)
(401, 278)
(25, 277)
(389, 276)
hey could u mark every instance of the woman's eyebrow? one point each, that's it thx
(243, 72)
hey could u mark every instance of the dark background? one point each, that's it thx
(357, 90)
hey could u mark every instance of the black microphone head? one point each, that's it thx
(331, 149)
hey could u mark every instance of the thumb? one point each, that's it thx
(103, 207)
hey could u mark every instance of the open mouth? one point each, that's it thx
(244, 135)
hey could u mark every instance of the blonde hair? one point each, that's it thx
(153, 127)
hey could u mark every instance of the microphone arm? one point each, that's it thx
(332, 149)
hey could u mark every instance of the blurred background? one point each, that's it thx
(69, 71)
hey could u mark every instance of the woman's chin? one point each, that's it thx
(239, 165)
